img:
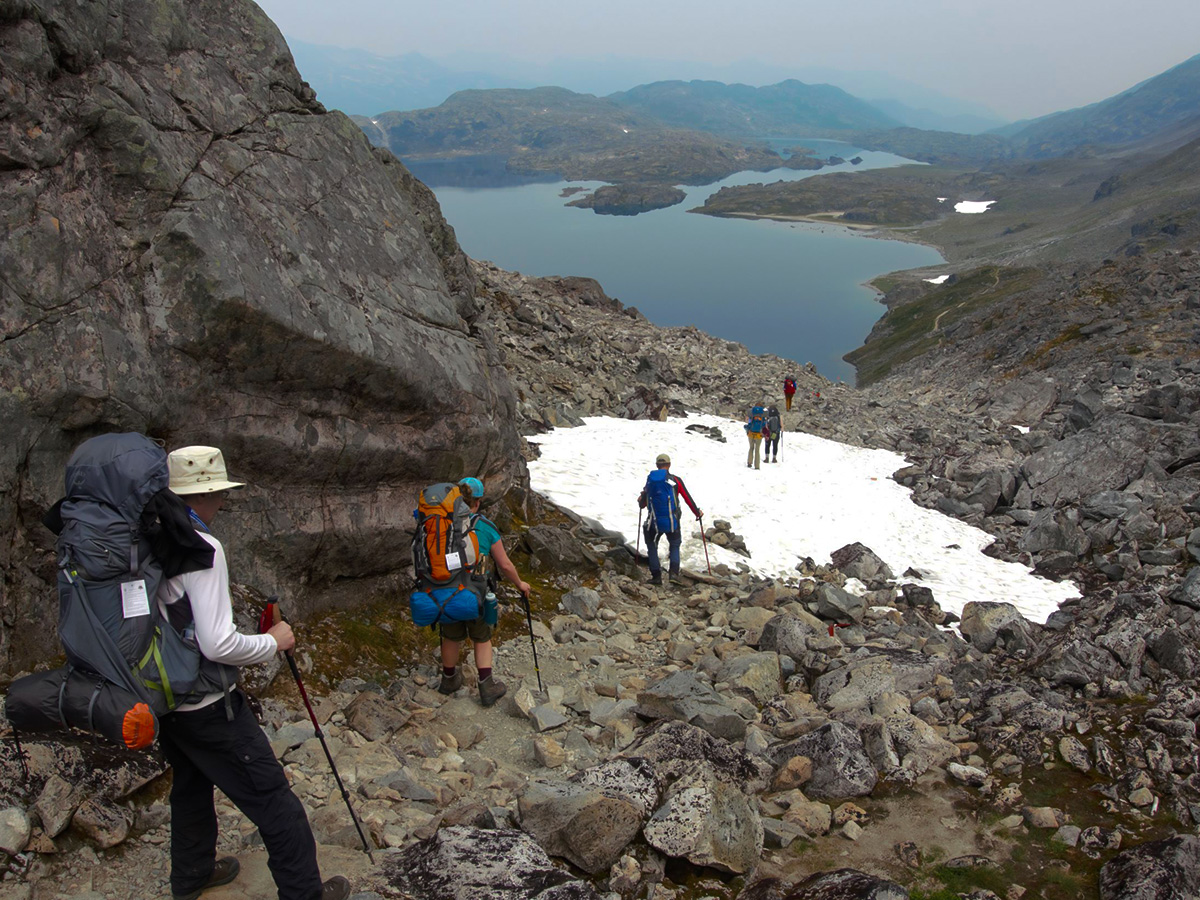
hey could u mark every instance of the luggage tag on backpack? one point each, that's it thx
(134, 601)
(453, 562)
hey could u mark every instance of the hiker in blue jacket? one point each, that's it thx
(661, 496)
(756, 426)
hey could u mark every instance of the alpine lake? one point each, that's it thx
(796, 289)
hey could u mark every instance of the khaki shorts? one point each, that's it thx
(478, 630)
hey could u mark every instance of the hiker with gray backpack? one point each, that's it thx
(146, 622)
(771, 435)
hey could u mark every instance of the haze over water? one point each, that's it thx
(793, 289)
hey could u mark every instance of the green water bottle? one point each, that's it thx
(491, 610)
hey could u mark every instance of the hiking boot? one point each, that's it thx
(224, 871)
(656, 579)
(336, 888)
(675, 579)
(451, 684)
(491, 689)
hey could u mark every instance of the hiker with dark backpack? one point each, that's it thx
(771, 435)
(661, 497)
(789, 390)
(755, 425)
(215, 741)
(480, 542)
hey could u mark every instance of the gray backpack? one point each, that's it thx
(127, 664)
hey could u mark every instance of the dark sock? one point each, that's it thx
(485, 674)
(448, 671)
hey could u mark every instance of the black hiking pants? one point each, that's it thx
(205, 749)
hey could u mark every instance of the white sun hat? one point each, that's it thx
(199, 470)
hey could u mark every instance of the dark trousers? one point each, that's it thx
(205, 749)
(674, 538)
(771, 446)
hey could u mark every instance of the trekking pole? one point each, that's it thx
(532, 642)
(704, 541)
(273, 616)
(637, 542)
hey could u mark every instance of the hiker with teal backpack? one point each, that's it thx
(755, 426)
(479, 630)
(661, 497)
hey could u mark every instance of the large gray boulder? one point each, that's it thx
(838, 605)
(860, 561)
(841, 767)
(588, 825)
(709, 822)
(462, 863)
(685, 696)
(788, 636)
(986, 624)
(1160, 870)
(675, 749)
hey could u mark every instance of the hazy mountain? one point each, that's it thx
(932, 120)
(788, 109)
(1159, 105)
(356, 81)
(362, 83)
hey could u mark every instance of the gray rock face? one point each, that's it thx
(459, 863)
(103, 823)
(709, 822)
(582, 602)
(14, 830)
(838, 605)
(788, 636)
(840, 765)
(1160, 870)
(193, 248)
(675, 749)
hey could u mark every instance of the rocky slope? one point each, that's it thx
(191, 247)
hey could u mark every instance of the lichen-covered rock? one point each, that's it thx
(847, 884)
(464, 863)
(14, 830)
(985, 624)
(709, 822)
(1160, 870)
(840, 765)
(675, 749)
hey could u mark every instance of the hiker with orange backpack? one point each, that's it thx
(756, 425)
(479, 630)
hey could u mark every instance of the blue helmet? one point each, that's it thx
(473, 487)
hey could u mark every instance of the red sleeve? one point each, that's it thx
(683, 492)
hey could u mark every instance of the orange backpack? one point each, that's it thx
(445, 547)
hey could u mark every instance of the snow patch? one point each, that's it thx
(972, 206)
(820, 496)
(937, 280)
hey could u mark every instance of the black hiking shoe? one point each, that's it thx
(224, 871)
(491, 689)
(675, 579)
(656, 579)
(336, 888)
(451, 684)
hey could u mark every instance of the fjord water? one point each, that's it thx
(789, 288)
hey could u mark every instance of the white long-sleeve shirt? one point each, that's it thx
(212, 613)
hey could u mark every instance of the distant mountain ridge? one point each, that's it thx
(788, 109)
(1157, 105)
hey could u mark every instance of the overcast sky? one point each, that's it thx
(1021, 58)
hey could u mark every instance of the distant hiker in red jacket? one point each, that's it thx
(789, 390)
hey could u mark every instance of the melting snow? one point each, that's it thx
(973, 206)
(937, 280)
(820, 496)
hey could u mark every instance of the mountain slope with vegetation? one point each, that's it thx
(580, 136)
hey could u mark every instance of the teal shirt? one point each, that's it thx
(487, 534)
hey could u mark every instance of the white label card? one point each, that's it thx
(134, 601)
(453, 562)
